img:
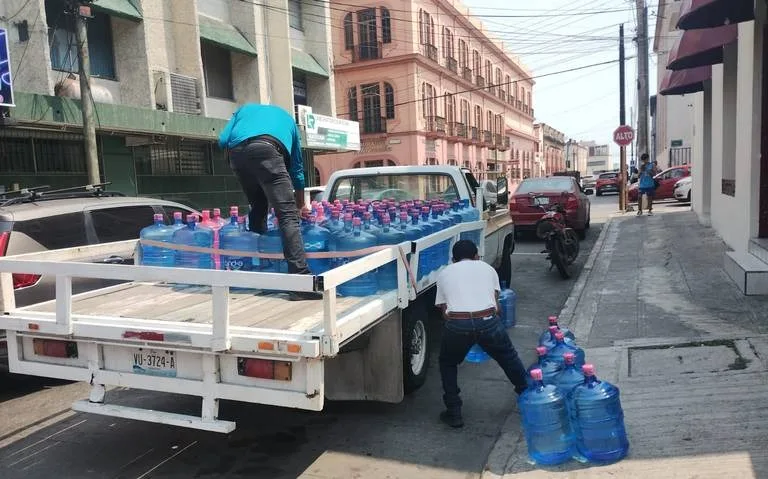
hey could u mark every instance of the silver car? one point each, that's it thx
(65, 221)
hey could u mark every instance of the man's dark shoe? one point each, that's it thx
(453, 420)
(304, 296)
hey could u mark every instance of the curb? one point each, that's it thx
(569, 308)
(504, 447)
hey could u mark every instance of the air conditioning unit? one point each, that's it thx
(176, 93)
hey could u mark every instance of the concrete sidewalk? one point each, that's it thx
(658, 316)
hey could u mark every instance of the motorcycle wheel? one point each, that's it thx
(571, 245)
(557, 256)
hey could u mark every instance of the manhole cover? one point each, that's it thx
(689, 358)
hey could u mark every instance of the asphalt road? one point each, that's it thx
(41, 438)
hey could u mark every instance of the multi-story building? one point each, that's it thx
(576, 157)
(550, 148)
(675, 115)
(166, 75)
(428, 87)
(599, 158)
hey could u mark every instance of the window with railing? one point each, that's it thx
(478, 117)
(426, 28)
(428, 100)
(386, 26)
(352, 102)
(389, 101)
(448, 46)
(372, 119)
(450, 109)
(477, 65)
(463, 55)
(488, 74)
(349, 32)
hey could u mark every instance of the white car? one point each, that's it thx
(682, 190)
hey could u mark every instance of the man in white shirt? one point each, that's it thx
(468, 294)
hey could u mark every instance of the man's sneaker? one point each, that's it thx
(304, 296)
(650, 213)
(453, 420)
(639, 213)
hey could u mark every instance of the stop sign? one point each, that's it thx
(623, 135)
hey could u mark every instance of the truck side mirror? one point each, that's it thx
(502, 190)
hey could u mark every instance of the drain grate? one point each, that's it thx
(686, 358)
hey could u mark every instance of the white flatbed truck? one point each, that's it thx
(211, 339)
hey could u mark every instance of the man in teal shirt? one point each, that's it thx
(265, 154)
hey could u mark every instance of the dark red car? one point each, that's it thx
(667, 180)
(607, 183)
(559, 189)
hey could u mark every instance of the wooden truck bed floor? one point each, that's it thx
(192, 304)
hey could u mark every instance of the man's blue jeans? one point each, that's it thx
(459, 335)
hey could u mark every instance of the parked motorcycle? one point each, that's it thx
(561, 242)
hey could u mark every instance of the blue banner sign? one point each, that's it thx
(6, 82)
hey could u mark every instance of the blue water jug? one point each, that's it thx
(194, 235)
(551, 341)
(570, 376)
(442, 256)
(472, 214)
(387, 275)
(178, 222)
(549, 369)
(434, 252)
(598, 419)
(545, 422)
(234, 237)
(508, 303)
(426, 257)
(368, 224)
(547, 335)
(367, 283)
(561, 347)
(476, 355)
(271, 242)
(316, 239)
(154, 255)
(455, 212)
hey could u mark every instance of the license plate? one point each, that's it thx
(154, 362)
(541, 201)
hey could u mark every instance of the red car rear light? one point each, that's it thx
(20, 280)
(513, 203)
(571, 202)
(264, 369)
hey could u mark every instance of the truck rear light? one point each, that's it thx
(264, 369)
(54, 348)
(144, 335)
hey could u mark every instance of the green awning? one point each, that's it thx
(305, 62)
(119, 8)
(225, 36)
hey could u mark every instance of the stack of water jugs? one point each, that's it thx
(340, 226)
(567, 412)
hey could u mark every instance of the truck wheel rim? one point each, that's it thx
(418, 347)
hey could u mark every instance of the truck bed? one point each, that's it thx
(193, 304)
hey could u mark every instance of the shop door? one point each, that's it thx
(763, 214)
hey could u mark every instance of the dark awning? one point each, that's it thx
(225, 36)
(685, 81)
(696, 14)
(697, 48)
(127, 9)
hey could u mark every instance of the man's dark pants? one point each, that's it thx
(459, 335)
(261, 169)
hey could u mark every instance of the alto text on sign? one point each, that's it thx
(623, 135)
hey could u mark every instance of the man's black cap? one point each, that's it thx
(464, 249)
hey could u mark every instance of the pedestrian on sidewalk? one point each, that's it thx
(265, 154)
(647, 186)
(471, 309)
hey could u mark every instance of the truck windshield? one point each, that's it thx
(400, 187)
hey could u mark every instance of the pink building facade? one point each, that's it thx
(428, 87)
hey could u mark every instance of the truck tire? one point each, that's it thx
(505, 267)
(416, 346)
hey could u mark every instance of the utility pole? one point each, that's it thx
(82, 13)
(643, 93)
(622, 121)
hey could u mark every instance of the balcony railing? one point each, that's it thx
(458, 130)
(367, 51)
(479, 81)
(519, 105)
(436, 124)
(466, 73)
(430, 51)
(487, 137)
(373, 125)
(498, 140)
(452, 64)
(507, 143)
